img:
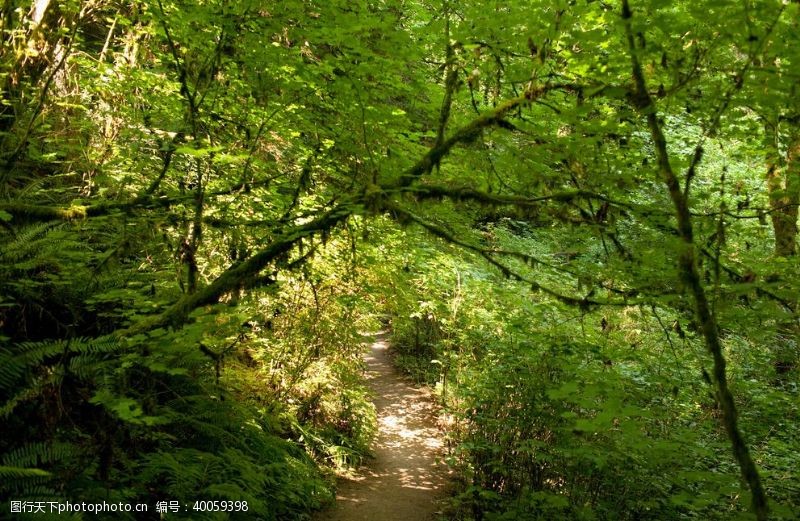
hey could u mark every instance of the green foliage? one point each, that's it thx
(578, 218)
(594, 415)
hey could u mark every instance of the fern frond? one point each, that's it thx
(10, 473)
(17, 360)
(31, 392)
(37, 454)
(14, 362)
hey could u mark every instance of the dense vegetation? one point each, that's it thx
(578, 219)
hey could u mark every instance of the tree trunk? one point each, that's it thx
(783, 185)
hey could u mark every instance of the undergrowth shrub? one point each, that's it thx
(596, 416)
(259, 402)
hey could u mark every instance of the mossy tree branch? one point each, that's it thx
(239, 274)
(488, 254)
(687, 264)
(472, 130)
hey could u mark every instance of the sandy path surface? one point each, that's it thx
(404, 481)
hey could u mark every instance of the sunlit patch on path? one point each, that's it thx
(405, 481)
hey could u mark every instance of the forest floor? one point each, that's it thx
(406, 480)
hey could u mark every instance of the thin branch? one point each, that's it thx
(687, 264)
(716, 117)
(238, 274)
(429, 191)
(487, 253)
(42, 97)
(470, 132)
(451, 78)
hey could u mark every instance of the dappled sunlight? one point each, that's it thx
(405, 479)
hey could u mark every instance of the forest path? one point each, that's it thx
(404, 481)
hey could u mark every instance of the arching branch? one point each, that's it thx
(489, 255)
(238, 274)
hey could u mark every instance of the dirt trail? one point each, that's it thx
(404, 481)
